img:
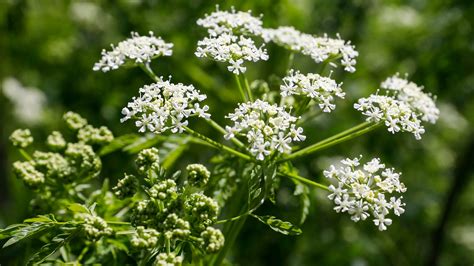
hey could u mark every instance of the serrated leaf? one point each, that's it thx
(50, 248)
(78, 208)
(118, 143)
(28, 231)
(8, 231)
(278, 225)
(302, 191)
(254, 187)
(269, 174)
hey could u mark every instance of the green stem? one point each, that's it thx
(234, 218)
(331, 141)
(147, 69)
(118, 223)
(291, 56)
(218, 145)
(231, 230)
(219, 128)
(304, 180)
(301, 108)
(247, 87)
(239, 85)
(345, 132)
(25, 154)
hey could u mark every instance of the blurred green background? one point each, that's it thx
(48, 48)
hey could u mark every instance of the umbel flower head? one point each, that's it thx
(136, 50)
(230, 39)
(232, 49)
(403, 108)
(233, 22)
(318, 48)
(406, 91)
(365, 190)
(320, 89)
(268, 128)
(163, 106)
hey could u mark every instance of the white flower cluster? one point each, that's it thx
(138, 49)
(361, 190)
(318, 88)
(412, 94)
(165, 106)
(398, 115)
(231, 49)
(267, 128)
(219, 22)
(229, 39)
(318, 48)
(403, 108)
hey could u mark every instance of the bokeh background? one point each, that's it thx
(48, 48)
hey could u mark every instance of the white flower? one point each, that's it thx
(361, 190)
(318, 48)
(318, 88)
(382, 222)
(165, 106)
(137, 49)
(422, 103)
(237, 22)
(232, 49)
(268, 128)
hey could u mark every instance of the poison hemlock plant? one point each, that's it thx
(155, 217)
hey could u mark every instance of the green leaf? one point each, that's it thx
(26, 232)
(118, 244)
(142, 143)
(302, 191)
(118, 143)
(78, 208)
(50, 248)
(38, 219)
(8, 232)
(172, 149)
(269, 174)
(255, 195)
(278, 225)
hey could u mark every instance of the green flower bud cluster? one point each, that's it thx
(56, 141)
(95, 227)
(91, 135)
(144, 213)
(148, 159)
(212, 240)
(165, 191)
(84, 161)
(198, 175)
(53, 165)
(144, 238)
(177, 211)
(21, 138)
(74, 121)
(27, 172)
(176, 228)
(168, 259)
(201, 210)
(126, 187)
(63, 162)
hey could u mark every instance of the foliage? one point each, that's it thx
(98, 190)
